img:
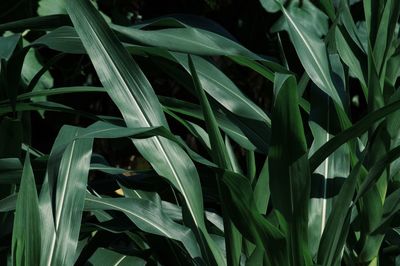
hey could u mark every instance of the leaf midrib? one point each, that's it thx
(304, 39)
(115, 207)
(147, 121)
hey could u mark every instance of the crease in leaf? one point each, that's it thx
(134, 96)
(26, 246)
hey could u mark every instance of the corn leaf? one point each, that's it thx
(26, 231)
(134, 96)
(311, 50)
(104, 256)
(62, 197)
(354, 131)
(221, 158)
(337, 226)
(148, 217)
(289, 178)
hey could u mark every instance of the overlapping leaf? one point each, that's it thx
(62, 197)
(132, 93)
(26, 231)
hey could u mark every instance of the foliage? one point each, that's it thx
(306, 180)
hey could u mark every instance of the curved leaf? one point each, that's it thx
(148, 217)
(311, 51)
(354, 131)
(134, 96)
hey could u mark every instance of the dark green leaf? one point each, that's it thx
(26, 231)
(134, 96)
(289, 178)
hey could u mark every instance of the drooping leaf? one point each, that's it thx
(38, 23)
(148, 217)
(30, 68)
(222, 89)
(186, 40)
(316, 22)
(243, 134)
(311, 50)
(134, 96)
(352, 56)
(354, 131)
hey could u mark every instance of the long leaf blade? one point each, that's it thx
(62, 196)
(134, 96)
(148, 217)
(289, 170)
(26, 230)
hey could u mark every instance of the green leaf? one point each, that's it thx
(254, 227)
(324, 124)
(391, 208)
(63, 39)
(8, 45)
(62, 196)
(312, 52)
(393, 69)
(10, 171)
(107, 130)
(261, 190)
(221, 158)
(48, 7)
(241, 133)
(30, 68)
(134, 96)
(197, 131)
(348, 22)
(9, 203)
(26, 231)
(222, 89)
(220, 155)
(354, 131)
(37, 23)
(148, 217)
(316, 22)
(337, 226)
(58, 91)
(352, 56)
(376, 171)
(232, 156)
(186, 40)
(271, 5)
(47, 106)
(256, 66)
(104, 256)
(289, 178)
(386, 29)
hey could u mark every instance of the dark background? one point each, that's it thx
(246, 21)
